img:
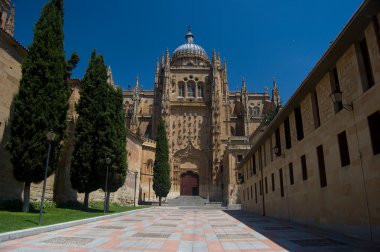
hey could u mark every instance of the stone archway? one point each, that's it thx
(191, 159)
(189, 184)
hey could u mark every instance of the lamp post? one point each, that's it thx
(108, 161)
(134, 194)
(50, 136)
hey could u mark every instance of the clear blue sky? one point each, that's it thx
(259, 39)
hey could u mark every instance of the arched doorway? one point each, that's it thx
(189, 184)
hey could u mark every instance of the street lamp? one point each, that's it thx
(50, 136)
(108, 161)
(337, 98)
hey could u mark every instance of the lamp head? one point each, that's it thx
(50, 136)
(336, 96)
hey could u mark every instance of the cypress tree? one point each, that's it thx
(114, 145)
(100, 133)
(42, 101)
(83, 174)
(161, 169)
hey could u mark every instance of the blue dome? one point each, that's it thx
(189, 48)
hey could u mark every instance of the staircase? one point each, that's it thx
(193, 202)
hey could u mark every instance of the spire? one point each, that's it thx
(10, 23)
(243, 86)
(225, 70)
(274, 83)
(110, 77)
(167, 57)
(137, 85)
(157, 67)
(136, 100)
(276, 99)
(189, 36)
(213, 55)
(162, 60)
(157, 72)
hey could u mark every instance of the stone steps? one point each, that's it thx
(193, 202)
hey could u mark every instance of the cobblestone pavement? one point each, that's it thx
(173, 229)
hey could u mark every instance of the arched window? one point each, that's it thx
(181, 89)
(200, 90)
(149, 166)
(190, 89)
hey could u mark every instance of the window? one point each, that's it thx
(299, 126)
(239, 158)
(181, 89)
(261, 187)
(247, 193)
(288, 141)
(190, 90)
(291, 175)
(314, 104)
(232, 130)
(278, 142)
(374, 126)
(200, 90)
(369, 81)
(335, 87)
(266, 185)
(273, 182)
(255, 193)
(321, 166)
(271, 148)
(343, 149)
(243, 195)
(254, 164)
(281, 183)
(251, 193)
(265, 154)
(304, 167)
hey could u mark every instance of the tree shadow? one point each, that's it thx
(31, 221)
(76, 205)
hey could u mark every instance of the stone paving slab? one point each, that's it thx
(173, 229)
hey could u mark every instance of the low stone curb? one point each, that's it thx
(38, 230)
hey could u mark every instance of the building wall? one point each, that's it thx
(349, 203)
(148, 157)
(11, 56)
(237, 148)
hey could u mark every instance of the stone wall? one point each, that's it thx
(349, 203)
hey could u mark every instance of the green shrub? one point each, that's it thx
(11, 205)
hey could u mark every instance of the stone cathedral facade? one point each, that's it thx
(191, 93)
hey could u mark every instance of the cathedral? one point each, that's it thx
(208, 125)
(191, 93)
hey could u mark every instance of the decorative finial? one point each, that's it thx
(137, 83)
(274, 83)
(189, 36)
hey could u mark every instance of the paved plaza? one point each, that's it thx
(173, 229)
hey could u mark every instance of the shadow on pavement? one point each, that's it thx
(296, 237)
